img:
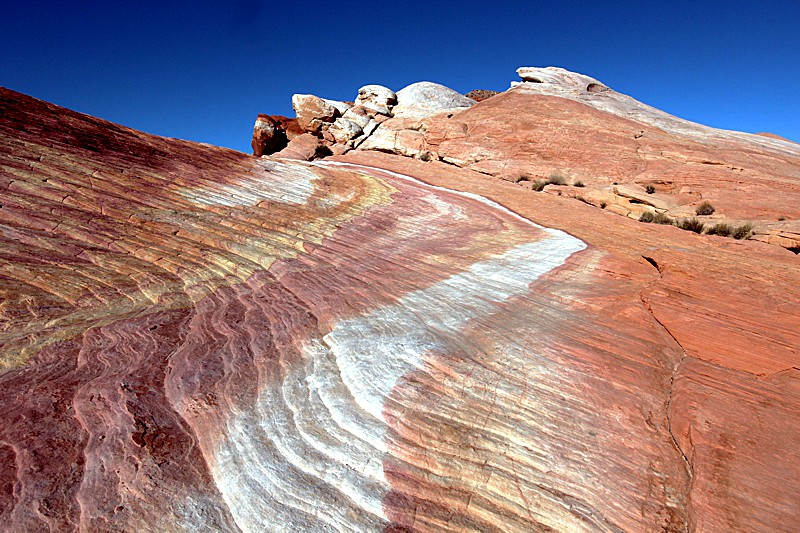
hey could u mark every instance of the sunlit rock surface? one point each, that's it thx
(564, 124)
(195, 339)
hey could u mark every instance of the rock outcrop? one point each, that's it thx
(376, 99)
(268, 136)
(313, 112)
(192, 338)
(425, 98)
(559, 123)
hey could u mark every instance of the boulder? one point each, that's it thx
(426, 98)
(341, 107)
(303, 147)
(376, 98)
(343, 130)
(268, 136)
(313, 111)
(358, 114)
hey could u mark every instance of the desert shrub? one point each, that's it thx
(538, 185)
(602, 205)
(556, 179)
(647, 216)
(649, 189)
(425, 156)
(661, 218)
(691, 224)
(742, 232)
(578, 183)
(722, 229)
(322, 150)
(705, 209)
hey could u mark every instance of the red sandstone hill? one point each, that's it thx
(196, 339)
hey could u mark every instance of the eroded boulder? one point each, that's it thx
(269, 136)
(426, 98)
(376, 98)
(312, 111)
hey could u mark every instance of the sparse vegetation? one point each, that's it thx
(722, 229)
(691, 224)
(661, 218)
(322, 150)
(655, 218)
(556, 179)
(538, 185)
(602, 205)
(578, 183)
(742, 232)
(649, 189)
(705, 208)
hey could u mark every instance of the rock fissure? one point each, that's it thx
(676, 369)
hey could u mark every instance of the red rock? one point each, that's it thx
(734, 304)
(604, 139)
(313, 111)
(479, 95)
(268, 136)
(773, 136)
(196, 338)
(303, 147)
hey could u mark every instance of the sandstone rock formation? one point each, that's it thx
(195, 339)
(376, 98)
(556, 122)
(269, 136)
(313, 111)
(425, 98)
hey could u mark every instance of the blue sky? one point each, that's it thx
(202, 70)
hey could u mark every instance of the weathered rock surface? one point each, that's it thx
(562, 123)
(269, 136)
(479, 95)
(425, 98)
(377, 99)
(196, 339)
(304, 147)
(313, 111)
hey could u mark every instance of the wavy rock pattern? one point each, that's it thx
(193, 339)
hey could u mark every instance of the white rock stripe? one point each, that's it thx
(309, 455)
(283, 182)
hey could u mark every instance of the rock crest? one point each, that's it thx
(425, 98)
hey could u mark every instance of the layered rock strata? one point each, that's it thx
(195, 339)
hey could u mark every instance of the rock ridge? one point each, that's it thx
(562, 128)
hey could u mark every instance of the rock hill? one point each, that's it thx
(455, 322)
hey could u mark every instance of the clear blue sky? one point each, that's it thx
(202, 70)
